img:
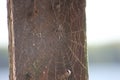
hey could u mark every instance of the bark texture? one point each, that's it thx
(47, 40)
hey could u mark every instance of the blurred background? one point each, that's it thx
(103, 39)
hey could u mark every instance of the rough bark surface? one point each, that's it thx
(47, 40)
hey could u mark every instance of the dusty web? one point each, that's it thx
(68, 51)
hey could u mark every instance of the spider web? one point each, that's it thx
(65, 43)
(69, 32)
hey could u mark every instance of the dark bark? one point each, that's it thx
(47, 40)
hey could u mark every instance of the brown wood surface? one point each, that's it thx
(47, 40)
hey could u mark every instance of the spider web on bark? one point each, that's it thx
(69, 30)
(67, 45)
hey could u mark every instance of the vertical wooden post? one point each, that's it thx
(47, 40)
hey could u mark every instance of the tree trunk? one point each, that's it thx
(47, 40)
